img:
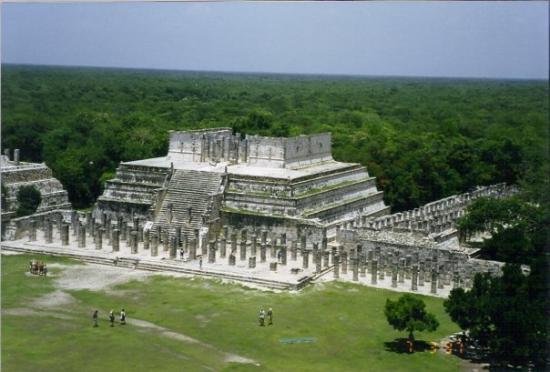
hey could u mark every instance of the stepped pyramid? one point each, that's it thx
(279, 184)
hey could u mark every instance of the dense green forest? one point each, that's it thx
(423, 138)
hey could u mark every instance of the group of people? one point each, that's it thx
(38, 268)
(262, 315)
(95, 317)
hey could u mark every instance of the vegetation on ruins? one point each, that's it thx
(409, 314)
(422, 138)
(28, 199)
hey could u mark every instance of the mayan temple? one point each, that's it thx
(213, 177)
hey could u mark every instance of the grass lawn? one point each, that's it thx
(346, 320)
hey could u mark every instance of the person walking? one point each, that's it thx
(94, 317)
(270, 316)
(181, 254)
(261, 317)
(122, 317)
(112, 318)
(200, 263)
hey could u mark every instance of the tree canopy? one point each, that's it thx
(408, 313)
(28, 198)
(423, 139)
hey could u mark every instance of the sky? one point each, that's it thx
(450, 39)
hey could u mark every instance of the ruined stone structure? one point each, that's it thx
(278, 212)
(211, 178)
(15, 173)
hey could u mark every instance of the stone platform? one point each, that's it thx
(285, 277)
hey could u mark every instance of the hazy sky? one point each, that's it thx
(462, 39)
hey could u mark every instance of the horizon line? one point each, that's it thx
(316, 74)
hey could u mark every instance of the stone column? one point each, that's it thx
(370, 256)
(65, 234)
(252, 262)
(16, 156)
(99, 238)
(124, 231)
(165, 240)
(212, 251)
(381, 263)
(394, 274)
(305, 259)
(173, 247)
(293, 251)
(243, 250)
(74, 222)
(134, 240)
(303, 242)
(456, 279)
(154, 245)
(355, 268)
(263, 252)
(232, 259)
(318, 263)
(253, 247)
(326, 257)
(49, 232)
(272, 250)
(146, 239)
(193, 249)
(374, 271)
(264, 237)
(433, 288)
(32, 231)
(414, 281)
(178, 237)
(283, 255)
(440, 276)
(233, 242)
(115, 241)
(223, 243)
(344, 257)
(362, 265)
(82, 237)
(336, 263)
(421, 270)
(408, 263)
(333, 255)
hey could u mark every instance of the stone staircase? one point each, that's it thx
(188, 200)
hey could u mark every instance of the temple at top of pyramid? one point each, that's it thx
(212, 177)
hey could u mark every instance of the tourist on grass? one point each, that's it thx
(112, 318)
(94, 317)
(122, 317)
(261, 317)
(45, 270)
(270, 316)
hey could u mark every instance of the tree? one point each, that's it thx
(506, 314)
(29, 199)
(408, 314)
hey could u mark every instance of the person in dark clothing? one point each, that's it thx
(122, 317)
(94, 317)
(112, 318)
(270, 316)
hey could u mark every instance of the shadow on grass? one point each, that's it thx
(399, 345)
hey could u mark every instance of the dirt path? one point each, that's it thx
(102, 278)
